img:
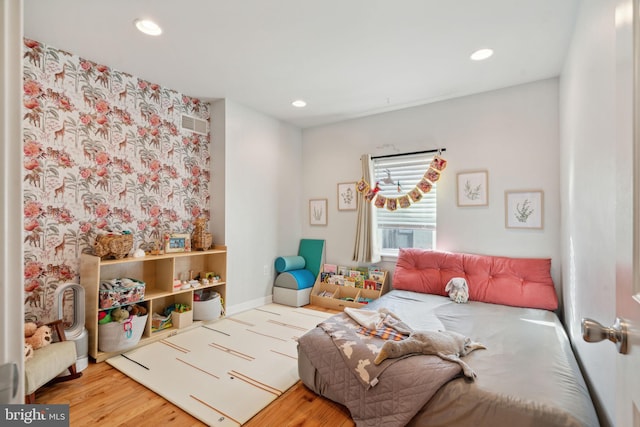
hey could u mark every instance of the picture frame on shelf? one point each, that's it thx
(178, 242)
(473, 188)
(318, 212)
(524, 209)
(347, 200)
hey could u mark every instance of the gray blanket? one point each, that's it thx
(534, 381)
(358, 351)
(389, 394)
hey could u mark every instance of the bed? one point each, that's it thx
(527, 375)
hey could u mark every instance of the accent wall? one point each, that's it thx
(103, 150)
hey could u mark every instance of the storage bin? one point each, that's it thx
(182, 320)
(116, 336)
(114, 294)
(208, 308)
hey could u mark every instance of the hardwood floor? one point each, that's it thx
(104, 394)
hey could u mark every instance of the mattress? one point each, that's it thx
(527, 376)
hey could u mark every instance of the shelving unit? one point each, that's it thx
(343, 296)
(158, 273)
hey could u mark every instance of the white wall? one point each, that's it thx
(513, 133)
(263, 195)
(588, 182)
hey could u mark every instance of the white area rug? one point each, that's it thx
(225, 372)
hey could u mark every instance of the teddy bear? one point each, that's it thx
(119, 314)
(28, 351)
(447, 345)
(137, 310)
(35, 337)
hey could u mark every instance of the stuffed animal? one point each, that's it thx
(28, 351)
(447, 345)
(36, 336)
(30, 329)
(458, 290)
(137, 310)
(119, 314)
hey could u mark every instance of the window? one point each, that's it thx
(412, 227)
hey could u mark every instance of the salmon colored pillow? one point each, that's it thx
(518, 282)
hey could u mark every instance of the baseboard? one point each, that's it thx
(248, 305)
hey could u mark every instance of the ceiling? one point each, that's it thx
(345, 58)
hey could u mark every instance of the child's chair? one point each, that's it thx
(49, 362)
(297, 274)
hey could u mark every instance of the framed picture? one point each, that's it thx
(178, 243)
(473, 188)
(347, 200)
(318, 212)
(524, 209)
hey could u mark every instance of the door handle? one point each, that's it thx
(593, 331)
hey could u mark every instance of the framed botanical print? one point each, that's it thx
(524, 209)
(318, 212)
(473, 188)
(347, 200)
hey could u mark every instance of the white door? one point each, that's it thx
(627, 148)
(628, 210)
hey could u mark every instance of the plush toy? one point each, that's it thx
(35, 336)
(119, 314)
(447, 345)
(30, 329)
(137, 310)
(28, 351)
(458, 290)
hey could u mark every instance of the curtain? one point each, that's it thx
(366, 248)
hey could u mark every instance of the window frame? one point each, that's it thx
(411, 167)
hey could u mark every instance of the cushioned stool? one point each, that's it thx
(297, 274)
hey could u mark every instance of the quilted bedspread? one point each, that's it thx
(534, 381)
(386, 395)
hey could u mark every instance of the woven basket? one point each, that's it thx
(113, 245)
(200, 238)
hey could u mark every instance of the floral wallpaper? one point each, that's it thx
(103, 150)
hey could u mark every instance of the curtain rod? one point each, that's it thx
(437, 150)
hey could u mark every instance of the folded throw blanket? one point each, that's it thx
(378, 319)
(358, 350)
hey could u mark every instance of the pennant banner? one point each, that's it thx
(431, 176)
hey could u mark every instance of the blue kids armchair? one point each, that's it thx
(297, 274)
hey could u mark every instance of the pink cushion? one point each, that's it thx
(519, 282)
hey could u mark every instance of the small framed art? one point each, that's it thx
(318, 212)
(473, 188)
(347, 200)
(178, 243)
(524, 209)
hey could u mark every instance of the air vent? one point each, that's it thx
(194, 124)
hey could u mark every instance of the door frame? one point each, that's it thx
(11, 216)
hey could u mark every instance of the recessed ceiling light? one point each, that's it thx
(481, 54)
(148, 27)
(299, 103)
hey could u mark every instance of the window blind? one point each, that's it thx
(406, 171)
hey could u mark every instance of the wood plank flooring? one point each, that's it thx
(104, 394)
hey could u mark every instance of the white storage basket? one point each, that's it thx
(116, 336)
(209, 309)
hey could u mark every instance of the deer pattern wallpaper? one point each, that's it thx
(103, 150)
